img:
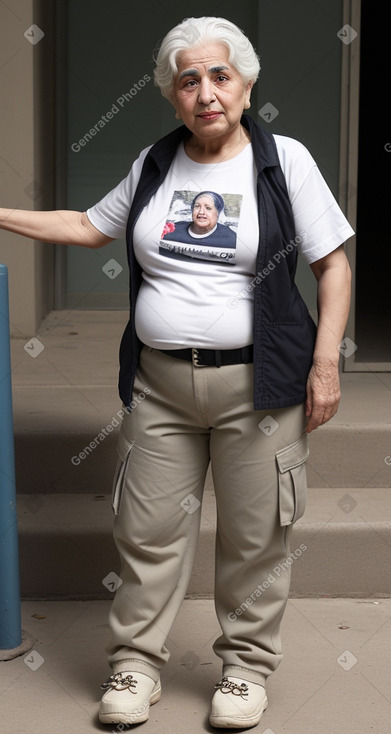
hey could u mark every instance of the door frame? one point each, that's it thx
(60, 183)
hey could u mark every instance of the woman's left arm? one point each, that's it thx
(334, 287)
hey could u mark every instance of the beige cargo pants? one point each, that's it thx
(193, 415)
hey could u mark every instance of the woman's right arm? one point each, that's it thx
(61, 227)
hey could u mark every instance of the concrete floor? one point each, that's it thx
(334, 678)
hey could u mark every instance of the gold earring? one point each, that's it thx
(177, 116)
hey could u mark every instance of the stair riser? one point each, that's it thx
(59, 463)
(338, 560)
(350, 456)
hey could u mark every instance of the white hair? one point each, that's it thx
(193, 31)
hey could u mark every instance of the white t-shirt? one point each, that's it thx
(198, 255)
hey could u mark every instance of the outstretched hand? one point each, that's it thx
(323, 394)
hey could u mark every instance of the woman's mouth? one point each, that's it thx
(209, 115)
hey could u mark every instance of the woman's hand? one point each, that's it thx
(323, 394)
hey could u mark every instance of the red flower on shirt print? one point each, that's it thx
(168, 227)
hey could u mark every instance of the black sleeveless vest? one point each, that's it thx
(284, 333)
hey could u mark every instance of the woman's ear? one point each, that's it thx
(247, 95)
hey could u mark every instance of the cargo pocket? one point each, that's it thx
(124, 448)
(292, 480)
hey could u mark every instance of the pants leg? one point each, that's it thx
(164, 456)
(259, 480)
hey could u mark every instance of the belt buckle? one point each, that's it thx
(195, 355)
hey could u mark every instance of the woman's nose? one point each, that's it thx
(206, 93)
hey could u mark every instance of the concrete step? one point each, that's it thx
(66, 408)
(59, 450)
(341, 547)
(66, 419)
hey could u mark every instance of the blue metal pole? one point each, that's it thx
(10, 609)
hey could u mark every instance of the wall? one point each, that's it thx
(26, 160)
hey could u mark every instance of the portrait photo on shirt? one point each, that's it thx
(201, 225)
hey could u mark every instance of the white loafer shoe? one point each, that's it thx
(237, 704)
(127, 698)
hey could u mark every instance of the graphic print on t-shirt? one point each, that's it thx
(202, 225)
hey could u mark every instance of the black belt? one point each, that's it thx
(212, 357)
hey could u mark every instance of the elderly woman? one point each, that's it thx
(237, 371)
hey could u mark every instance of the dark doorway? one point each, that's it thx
(373, 258)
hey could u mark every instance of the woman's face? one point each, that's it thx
(209, 93)
(205, 215)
